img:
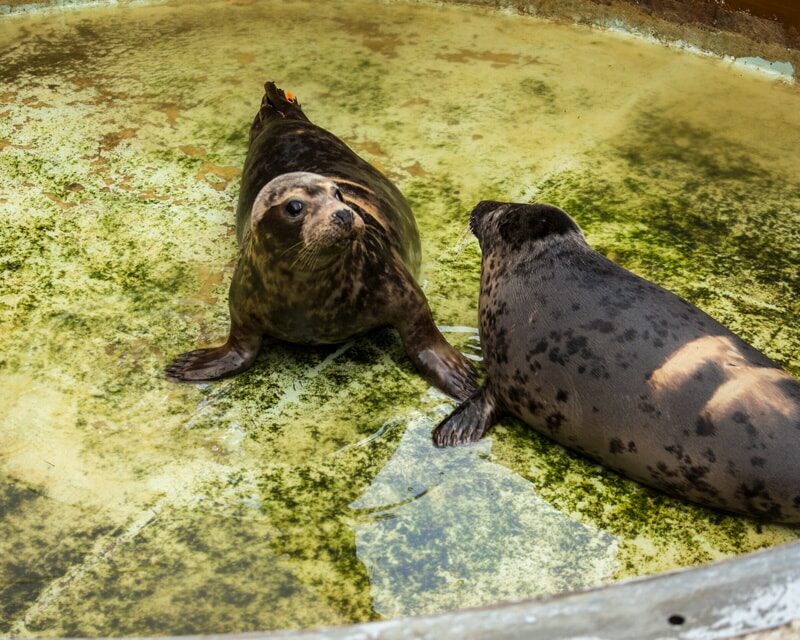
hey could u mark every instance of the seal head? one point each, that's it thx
(305, 217)
(515, 224)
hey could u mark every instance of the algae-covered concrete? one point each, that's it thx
(306, 492)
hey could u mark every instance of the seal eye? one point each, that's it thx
(294, 208)
(338, 195)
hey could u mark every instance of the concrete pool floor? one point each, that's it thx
(306, 492)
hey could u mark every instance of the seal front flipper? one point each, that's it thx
(235, 356)
(469, 422)
(435, 358)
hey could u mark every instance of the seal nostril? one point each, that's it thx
(344, 217)
(676, 620)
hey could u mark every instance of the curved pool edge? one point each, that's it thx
(756, 592)
(757, 41)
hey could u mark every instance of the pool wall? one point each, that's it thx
(764, 33)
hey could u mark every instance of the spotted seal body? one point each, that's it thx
(328, 250)
(629, 374)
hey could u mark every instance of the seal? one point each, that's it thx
(328, 250)
(625, 372)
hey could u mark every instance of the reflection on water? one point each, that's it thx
(305, 492)
(442, 529)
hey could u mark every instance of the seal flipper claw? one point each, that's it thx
(469, 422)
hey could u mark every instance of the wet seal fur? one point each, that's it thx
(625, 372)
(328, 250)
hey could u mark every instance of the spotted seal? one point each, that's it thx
(329, 250)
(625, 372)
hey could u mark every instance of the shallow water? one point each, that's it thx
(307, 492)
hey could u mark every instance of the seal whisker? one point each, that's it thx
(304, 256)
(313, 259)
(373, 234)
(302, 259)
(297, 258)
(288, 249)
(310, 257)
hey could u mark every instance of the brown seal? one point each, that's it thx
(328, 250)
(625, 372)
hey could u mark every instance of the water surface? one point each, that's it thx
(306, 492)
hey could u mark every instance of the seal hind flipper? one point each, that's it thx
(282, 103)
(469, 422)
(276, 103)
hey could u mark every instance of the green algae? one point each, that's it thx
(305, 492)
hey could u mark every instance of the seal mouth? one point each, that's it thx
(346, 239)
(341, 237)
(479, 212)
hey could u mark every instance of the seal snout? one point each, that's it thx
(479, 212)
(335, 227)
(345, 224)
(344, 219)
